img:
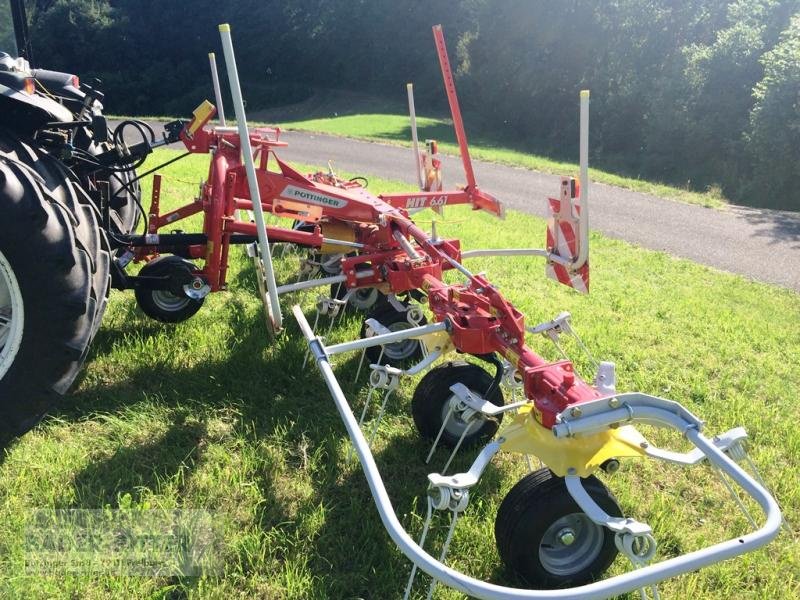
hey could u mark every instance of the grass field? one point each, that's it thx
(210, 414)
(395, 129)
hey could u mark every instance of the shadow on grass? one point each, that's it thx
(348, 561)
(140, 466)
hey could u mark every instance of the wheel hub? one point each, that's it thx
(566, 536)
(570, 545)
(12, 316)
(400, 350)
(460, 417)
(167, 301)
(197, 289)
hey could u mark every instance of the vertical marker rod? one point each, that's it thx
(583, 223)
(452, 99)
(414, 138)
(217, 93)
(247, 152)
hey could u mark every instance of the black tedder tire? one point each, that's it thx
(54, 283)
(431, 401)
(545, 538)
(398, 352)
(167, 306)
(364, 299)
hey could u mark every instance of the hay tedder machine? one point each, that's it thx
(558, 529)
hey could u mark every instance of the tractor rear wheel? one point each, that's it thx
(54, 283)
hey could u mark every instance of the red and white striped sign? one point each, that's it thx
(563, 240)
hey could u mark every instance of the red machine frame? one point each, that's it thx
(396, 256)
(480, 319)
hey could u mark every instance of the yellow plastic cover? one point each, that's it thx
(585, 454)
(201, 116)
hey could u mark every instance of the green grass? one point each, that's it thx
(211, 414)
(395, 129)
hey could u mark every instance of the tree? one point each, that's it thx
(774, 134)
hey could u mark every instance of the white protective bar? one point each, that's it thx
(255, 195)
(212, 61)
(600, 590)
(342, 243)
(386, 338)
(583, 223)
(322, 282)
(516, 252)
(414, 138)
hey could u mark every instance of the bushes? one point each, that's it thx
(775, 124)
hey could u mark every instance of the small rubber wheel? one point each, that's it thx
(364, 299)
(431, 403)
(172, 305)
(397, 352)
(545, 538)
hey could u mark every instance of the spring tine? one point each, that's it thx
(343, 308)
(643, 593)
(757, 474)
(528, 462)
(349, 456)
(425, 526)
(457, 446)
(366, 406)
(360, 364)
(735, 496)
(439, 435)
(584, 348)
(330, 326)
(754, 469)
(445, 546)
(386, 397)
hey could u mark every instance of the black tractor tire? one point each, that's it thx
(431, 401)
(529, 525)
(123, 191)
(58, 258)
(126, 197)
(168, 306)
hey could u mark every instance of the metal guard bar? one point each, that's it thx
(665, 414)
(517, 252)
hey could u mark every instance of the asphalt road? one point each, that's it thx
(763, 245)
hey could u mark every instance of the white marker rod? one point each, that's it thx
(583, 223)
(212, 60)
(414, 139)
(250, 167)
